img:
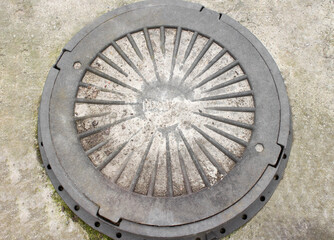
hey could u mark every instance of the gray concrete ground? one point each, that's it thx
(299, 35)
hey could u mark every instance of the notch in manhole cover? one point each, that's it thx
(165, 120)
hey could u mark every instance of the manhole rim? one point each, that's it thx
(272, 66)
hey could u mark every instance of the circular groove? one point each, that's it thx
(164, 111)
(77, 65)
(259, 147)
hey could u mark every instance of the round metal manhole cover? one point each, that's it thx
(165, 120)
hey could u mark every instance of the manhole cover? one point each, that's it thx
(165, 120)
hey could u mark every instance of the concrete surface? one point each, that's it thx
(299, 35)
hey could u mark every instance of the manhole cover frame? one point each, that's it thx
(215, 226)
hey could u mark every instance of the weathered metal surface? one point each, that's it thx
(165, 114)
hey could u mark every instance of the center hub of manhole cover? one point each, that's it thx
(166, 106)
(165, 114)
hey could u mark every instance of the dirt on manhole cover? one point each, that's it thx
(165, 120)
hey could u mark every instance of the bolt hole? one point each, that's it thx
(284, 156)
(276, 177)
(77, 65)
(60, 188)
(259, 147)
(118, 235)
(97, 224)
(222, 231)
(42, 144)
(48, 167)
(76, 207)
(244, 217)
(262, 198)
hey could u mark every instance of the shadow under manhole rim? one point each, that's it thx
(154, 124)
